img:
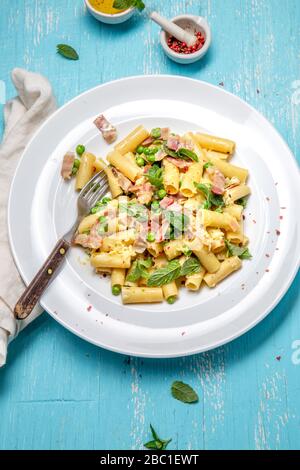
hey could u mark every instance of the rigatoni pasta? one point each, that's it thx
(174, 216)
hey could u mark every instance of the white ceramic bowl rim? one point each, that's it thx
(201, 51)
(108, 15)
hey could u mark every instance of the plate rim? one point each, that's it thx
(218, 343)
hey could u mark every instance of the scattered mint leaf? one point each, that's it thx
(154, 176)
(157, 443)
(241, 251)
(67, 51)
(190, 266)
(184, 392)
(211, 198)
(139, 269)
(124, 4)
(165, 275)
(186, 251)
(170, 152)
(187, 154)
(242, 202)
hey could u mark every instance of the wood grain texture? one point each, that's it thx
(59, 392)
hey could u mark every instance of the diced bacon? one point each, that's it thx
(218, 182)
(165, 132)
(166, 202)
(88, 241)
(144, 192)
(146, 168)
(160, 155)
(148, 142)
(140, 244)
(108, 131)
(173, 142)
(67, 165)
(181, 164)
(123, 182)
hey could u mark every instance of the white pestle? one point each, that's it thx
(173, 29)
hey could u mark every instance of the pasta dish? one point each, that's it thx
(174, 216)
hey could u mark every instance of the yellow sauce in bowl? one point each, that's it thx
(104, 6)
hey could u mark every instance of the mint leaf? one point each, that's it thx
(207, 165)
(165, 275)
(184, 392)
(243, 201)
(67, 51)
(139, 269)
(157, 443)
(124, 4)
(154, 176)
(211, 198)
(190, 266)
(156, 133)
(186, 251)
(187, 154)
(241, 251)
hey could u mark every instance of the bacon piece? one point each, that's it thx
(165, 132)
(88, 241)
(140, 244)
(166, 202)
(108, 131)
(173, 142)
(147, 142)
(181, 164)
(160, 155)
(67, 165)
(218, 182)
(123, 182)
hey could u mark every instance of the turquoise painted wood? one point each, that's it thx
(58, 392)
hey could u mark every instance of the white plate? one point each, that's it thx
(42, 207)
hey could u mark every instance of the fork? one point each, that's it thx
(94, 190)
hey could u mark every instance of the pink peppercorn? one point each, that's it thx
(182, 48)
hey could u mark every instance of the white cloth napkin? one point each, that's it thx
(22, 117)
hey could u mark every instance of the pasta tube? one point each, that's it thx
(173, 249)
(236, 193)
(235, 210)
(132, 141)
(206, 258)
(227, 267)
(237, 237)
(193, 175)
(118, 277)
(193, 282)
(111, 260)
(219, 220)
(170, 177)
(141, 295)
(87, 223)
(230, 170)
(124, 164)
(85, 171)
(211, 142)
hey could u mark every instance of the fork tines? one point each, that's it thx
(95, 188)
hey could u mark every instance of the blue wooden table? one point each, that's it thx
(58, 392)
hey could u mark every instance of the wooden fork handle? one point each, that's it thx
(40, 282)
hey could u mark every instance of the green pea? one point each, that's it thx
(80, 149)
(151, 237)
(140, 161)
(156, 133)
(102, 219)
(140, 150)
(74, 170)
(154, 150)
(161, 193)
(146, 151)
(116, 290)
(76, 163)
(155, 205)
(106, 200)
(171, 300)
(94, 210)
(151, 158)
